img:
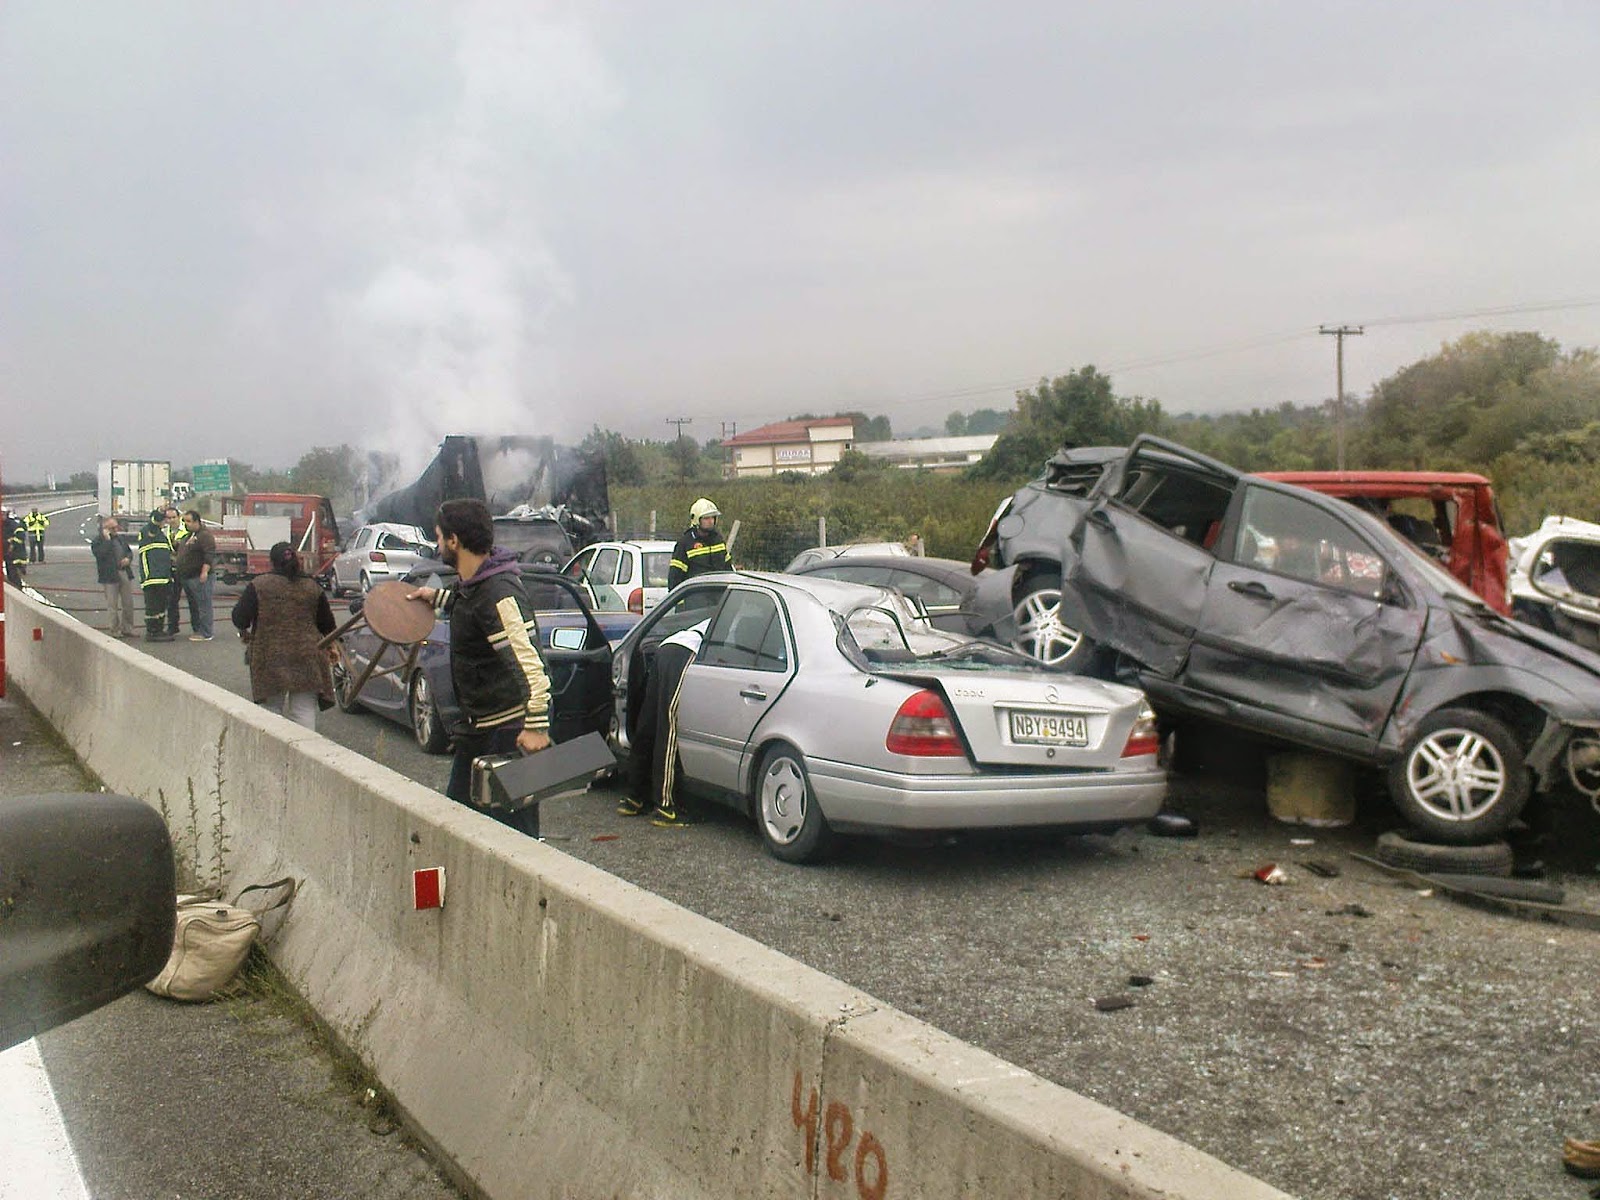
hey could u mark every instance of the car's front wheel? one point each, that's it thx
(791, 822)
(1462, 778)
(1040, 632)
(426, 724)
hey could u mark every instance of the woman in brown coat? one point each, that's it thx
(282, 616)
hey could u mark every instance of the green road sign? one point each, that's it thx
(212, 477)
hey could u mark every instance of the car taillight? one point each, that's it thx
(378, 556)
(636, 601)
(923, 728)
(1144, 737)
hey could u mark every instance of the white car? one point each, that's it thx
(376, 553)
(626, 576)
(1555, 579)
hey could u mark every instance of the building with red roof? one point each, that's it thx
(810, 447)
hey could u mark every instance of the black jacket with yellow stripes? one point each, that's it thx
(698, 551)
(495, 663)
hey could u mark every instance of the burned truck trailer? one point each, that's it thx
(547, 499)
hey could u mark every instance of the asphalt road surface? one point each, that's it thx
(1342, 1037)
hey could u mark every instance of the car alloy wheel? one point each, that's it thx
(792, 826)
(1462, 779)
(425, 722)
(1040, 631)
(342, 683)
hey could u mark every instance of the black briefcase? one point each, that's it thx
(511, 782)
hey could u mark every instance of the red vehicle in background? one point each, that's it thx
(1451, 516)
(253, 524)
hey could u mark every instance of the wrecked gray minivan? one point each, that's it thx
(1301, 618)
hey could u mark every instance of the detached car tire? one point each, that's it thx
(786, 811)
(1037, 616)
(1461, 779)
(427, 726)
(1399, 850)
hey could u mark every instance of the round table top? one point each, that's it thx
(393, 617)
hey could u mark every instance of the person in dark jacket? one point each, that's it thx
(155, 576)
(192, 560)
(499, 677)
(14, 550)
(702, 547)
(282, 615)
(113, 566)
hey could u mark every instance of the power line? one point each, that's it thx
(976, 391)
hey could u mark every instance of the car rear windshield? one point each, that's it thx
(878, 638)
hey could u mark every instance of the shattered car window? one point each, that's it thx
(1289, 536)
(1182, 502)
(876, 637)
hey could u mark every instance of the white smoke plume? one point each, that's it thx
(448, 328)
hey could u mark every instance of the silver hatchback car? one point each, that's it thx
(376, 553)
(820, 707)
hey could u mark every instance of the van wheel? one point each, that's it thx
(787, 813)
(1040, 633)
(426, 724)
(1462, 779)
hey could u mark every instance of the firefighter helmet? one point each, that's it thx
(702, 508)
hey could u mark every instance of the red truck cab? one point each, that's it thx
(1449, 515)
(253, 524)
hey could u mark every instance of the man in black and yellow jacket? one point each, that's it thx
(702, 547)
(36, 523)
(499, 676)
(155, 576)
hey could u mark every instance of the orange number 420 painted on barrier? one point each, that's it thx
(838, 1132)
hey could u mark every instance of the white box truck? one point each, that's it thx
(129, 486)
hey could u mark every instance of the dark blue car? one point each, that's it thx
(414, 688)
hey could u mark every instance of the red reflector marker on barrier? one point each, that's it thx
(38, 634)
(427, 885)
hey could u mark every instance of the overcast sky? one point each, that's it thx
(248, 228)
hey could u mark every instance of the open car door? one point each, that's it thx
(577, 656)
(1140, 556)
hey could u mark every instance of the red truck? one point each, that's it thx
(1450, 515)
(253, 524)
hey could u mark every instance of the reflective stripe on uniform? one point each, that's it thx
(719, 548)
(682, 566)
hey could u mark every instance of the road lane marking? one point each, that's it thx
(34, 1146)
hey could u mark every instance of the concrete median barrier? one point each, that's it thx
(552, 1030)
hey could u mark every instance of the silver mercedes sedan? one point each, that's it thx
(820, 707)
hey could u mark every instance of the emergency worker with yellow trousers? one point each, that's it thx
(702, 547)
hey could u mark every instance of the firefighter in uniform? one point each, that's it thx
(653, 754)
(155, 572)
(702, 547)
(15, 550)
(36, 523)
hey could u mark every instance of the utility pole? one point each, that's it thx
(1339, 334)
(677, 445)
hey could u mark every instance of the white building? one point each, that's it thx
(931, 454)
(810, 447)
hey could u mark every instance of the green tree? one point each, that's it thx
(955, 425)
(624, 466)
(1079, 409)
(329, 471)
